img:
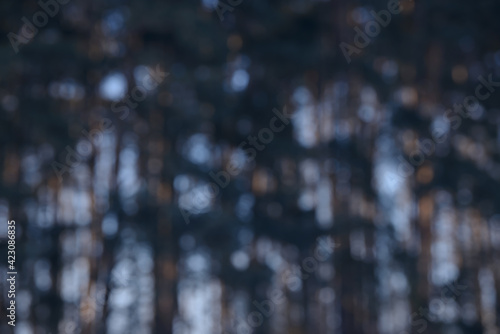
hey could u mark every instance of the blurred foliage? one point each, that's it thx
(107, 250)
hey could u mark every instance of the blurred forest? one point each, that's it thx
(336, 226)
